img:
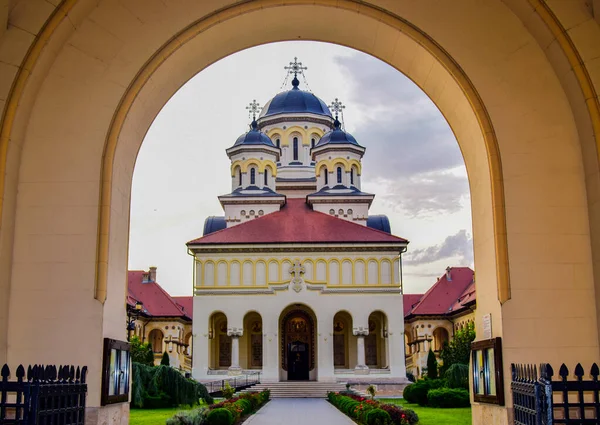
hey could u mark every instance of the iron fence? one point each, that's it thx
(44, 395)
(541, 399)
(241, 382)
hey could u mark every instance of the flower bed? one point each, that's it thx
(372, 412)
(228, 412)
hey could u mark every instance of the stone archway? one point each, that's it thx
(511, 72)
(298, 344)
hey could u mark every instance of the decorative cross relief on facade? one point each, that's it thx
(297, 270)
(235, 332)
(360, 331)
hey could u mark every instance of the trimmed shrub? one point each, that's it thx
(417, 392)
(448, 397)
(245, 405)
(457, 376)
(410, 377)
(378, 417)
(165, 359)
(190, 417)
(220, 416)
(432, 365)
(399, 414)
(228, 391)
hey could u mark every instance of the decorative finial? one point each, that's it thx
(295, 68)
(253, 108)
(337, 107)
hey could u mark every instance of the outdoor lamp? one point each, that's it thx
(139, 306)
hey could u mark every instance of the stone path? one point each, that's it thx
(299, 411)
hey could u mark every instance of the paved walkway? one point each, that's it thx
(297, 411)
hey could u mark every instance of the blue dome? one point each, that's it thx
(337, 136)
(254, 137)
(295, 101)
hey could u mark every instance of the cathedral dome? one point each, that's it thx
(295, 101)
(337, 136)
(254, 137)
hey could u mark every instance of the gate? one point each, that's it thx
(543, 400)
(45, 395)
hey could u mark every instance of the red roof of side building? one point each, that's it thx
(296, 222)
(409, 300)
(157, 302)
(447, 296)
(187, 303)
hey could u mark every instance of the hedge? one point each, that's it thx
(362, 410)
(448, 397)
(417, 392)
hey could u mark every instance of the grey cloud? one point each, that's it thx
(458, 245)
(414, 147)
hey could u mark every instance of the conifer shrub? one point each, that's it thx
(457, 376)
(378, 417)
(432, 365)
(165, 359)
(221, 416)
(448, 397)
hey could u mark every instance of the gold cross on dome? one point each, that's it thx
(253, 108)
(295, 67)
(337, 107)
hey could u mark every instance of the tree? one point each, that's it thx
(432, 365)
(459, 349)
(141, 352)
(165, 359)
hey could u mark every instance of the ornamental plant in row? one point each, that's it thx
(227, 412)
(371, 412)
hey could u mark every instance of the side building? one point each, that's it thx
(156, 317)
(431, 319)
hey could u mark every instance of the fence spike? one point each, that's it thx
(549, 371)
(29, 373)
(84, 374)
(5, 372)
(535, 374)
(579, 371)
(20, 372)
(71, 373)
(513, 371)
(77, 374)
(594, 371)
(563, 371)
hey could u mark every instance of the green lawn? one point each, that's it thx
(152, 416)
(435, 416)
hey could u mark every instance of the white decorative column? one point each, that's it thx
(361, 367)
(270, 369)
(235, 334)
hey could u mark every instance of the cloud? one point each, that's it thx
(410, 147)
(459, 245)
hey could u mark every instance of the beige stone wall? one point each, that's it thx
(78, 103)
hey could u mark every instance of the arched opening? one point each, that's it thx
(155, 338)
(339, 175)
(219, 341)
(253, 176)
(188, 344)
(295, 149)
(440, 338)
(298, 350)
(325, 176)
(376, 346)
(251, 348)
(344, 344)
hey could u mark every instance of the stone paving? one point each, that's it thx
(297, 411)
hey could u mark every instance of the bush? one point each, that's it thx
(159, 401)
(457, 376)
(378, 417)
(245, 405)
(432, 365)
(228, 391)
(165, 359)
(417, 392)
(410, 377)
(399, 414)
(190, 417)
(448, 397)
(220, 416)
(371, 390)
(141, 352)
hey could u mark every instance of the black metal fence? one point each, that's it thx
(44, 395)
(241, 382)
(541, 399)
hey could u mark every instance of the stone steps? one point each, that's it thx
(298, 389)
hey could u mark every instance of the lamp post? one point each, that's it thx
(132, 316)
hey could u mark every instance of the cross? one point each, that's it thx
(295, 68)
(337, 106)
(297, 269)
(253, 108)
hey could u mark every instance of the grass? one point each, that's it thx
(152, 416)
(435, 416)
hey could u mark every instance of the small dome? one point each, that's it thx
(337, 136)
(295, 101)
(254, 137)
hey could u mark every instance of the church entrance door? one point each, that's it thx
(297, 361)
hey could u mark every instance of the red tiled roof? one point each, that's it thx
(187, 303)
(409, 300)
(296, 222)
(447, 296)
(157, 302)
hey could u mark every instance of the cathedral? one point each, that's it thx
(297, 280)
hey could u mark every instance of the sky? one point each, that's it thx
(412, 163)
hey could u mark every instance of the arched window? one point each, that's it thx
(295, 149)
(339, 174)
(266, 178)
(278, 143)
(326, 178)
(252, 175)
(240, 176)
(352, 176)
(312, 142)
